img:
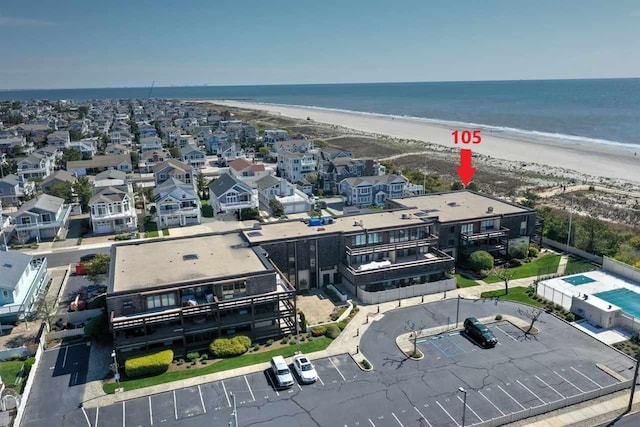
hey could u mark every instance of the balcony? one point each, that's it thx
(116, 215)
(488, 240)
(64, 215)
(386, 247)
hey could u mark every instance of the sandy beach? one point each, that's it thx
(595, 160)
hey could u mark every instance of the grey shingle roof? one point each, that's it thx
(12, 266)
(43, 202)
(225, 183)
(267, 181)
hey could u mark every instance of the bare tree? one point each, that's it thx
(415, 333)
(533, 315)
(46, 308)
(505, 275)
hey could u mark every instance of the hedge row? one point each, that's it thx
(230, 347)
(151, 364)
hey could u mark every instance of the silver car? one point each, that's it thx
(305, 369)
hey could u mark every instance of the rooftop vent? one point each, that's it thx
(189, 257)
(405, 216)
(254, 234)
(490, 209)
(7, 265)
(453, 204)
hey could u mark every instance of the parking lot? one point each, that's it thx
(521, 375)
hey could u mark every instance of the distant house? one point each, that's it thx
(228, 194)
(34, 166)
(115, 149)
(373, 190)
(173, 168)
(149, 159)
(295, 166)
(44, 217)
(112, 210)
(13, 190)
(293, 146)
(332, 171)
(243, 168)
(177, 204)
(59, 139)
(58, 177)
(215, 141)
(150, 143)
(147, 130)
(53, 153)
(291, 199)
(87, 146)
(15, 145)
(22, 279)
(121, 138)
(186, 139)
(121, 162)
(230, 152)
(193, 156)
(271, 136)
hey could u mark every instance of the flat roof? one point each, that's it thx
(460, 205)
(150, 264)
(370, 221)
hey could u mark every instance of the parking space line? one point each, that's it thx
(227, 395)
(492, 404)
(334, 365)
(504, 332)
(150, 411)
(527, 388)
(372, 422)
(566, 380)
(394, 416)
(455, 344)
(320, 379)
(599, 386)
(511, 397)
(433, 343)
(64, 359)
(202, 400)
(97, 412)
(270, 384)
(469, 407)
(423, 417)
(248, 386)
(175, 406)
(86, 417)
(123, 414)
(542, 381)
(447, 412)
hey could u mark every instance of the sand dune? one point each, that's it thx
(598, 160)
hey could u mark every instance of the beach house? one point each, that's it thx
(22, 279)
(43, 217)
(177, 204)
(372, 190)
(228, 194)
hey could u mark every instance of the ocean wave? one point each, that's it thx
(507, 131)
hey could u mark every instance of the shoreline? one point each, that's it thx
(585, 158)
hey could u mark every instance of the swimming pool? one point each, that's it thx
(626, 299)
(578, 280)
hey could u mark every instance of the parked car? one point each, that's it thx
(304, 369)
(87, 257)
(281, 372)
(479, 332)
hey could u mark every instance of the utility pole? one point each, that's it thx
(464, 404)
(235, 411)
(458, 310)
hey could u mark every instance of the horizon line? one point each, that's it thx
(317, 84)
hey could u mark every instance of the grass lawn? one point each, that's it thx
(463, 282)
(548, 263)
(206, 209)
(578, 265)
(246, 359)
(151, 229)
(516, 294)
(9, 371)
(165, 231)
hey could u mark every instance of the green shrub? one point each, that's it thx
(533, 251)
(515, 263)
(570, 317)
(193, 356)
(318, 331)
(230, 347)
(204, 357)
(332, 332)
(519, 250)
(302, 338)
(481, 260)
(342, 324)
(498, 316)
(268, 343)
(336, 314)
(98, 302)
(365, 363)
(558, 307)
(293, 341)
(98, 328)
(151, 364)
(303, 318)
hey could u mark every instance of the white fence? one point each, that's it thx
(552, 294)
(66, 333)
(406, 292)
(30, 380)
(8, 353)
(575, 251)
(552, 406)
(621, 269)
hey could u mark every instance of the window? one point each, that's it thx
(398, 236)
(467, 228)
(5, 294)
(161, 300)
(487, 225)
(360, 240)
(373, 238)
(234, 288)
(523, 227)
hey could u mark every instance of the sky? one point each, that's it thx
(77, 44)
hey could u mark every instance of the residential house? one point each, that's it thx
(185, 292)
(230, 152)
(44, 217)
(173, 168)
(193, 156)
(121, 162)
(16, 145)
(149, 159)
(292, 199)
(59, 139)
(333, 170)
(13, 190)
(5, 230)
(81, 125)
(184, 140)
(23, 278)
(147, 131)
(469, 222)
(271, 136)
(57, 178)
(121, 137)
(292, 146)
(37, 131)
(87, 146)
(52, 153)
(243, 168)
(228, 194)
(116, 149)
(34, 166)
(295, 166)
(177, 204)
(112, 210)
(111, 178)
(215, 141)
(372, 190)
(150, 143)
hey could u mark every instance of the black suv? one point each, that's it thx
(480, 333)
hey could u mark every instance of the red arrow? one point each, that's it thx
(465, 171)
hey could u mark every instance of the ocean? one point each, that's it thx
(605, 111)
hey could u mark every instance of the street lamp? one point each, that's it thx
(464, 403)
(458, 310)
(115, 368)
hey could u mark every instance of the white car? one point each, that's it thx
(304, 368)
